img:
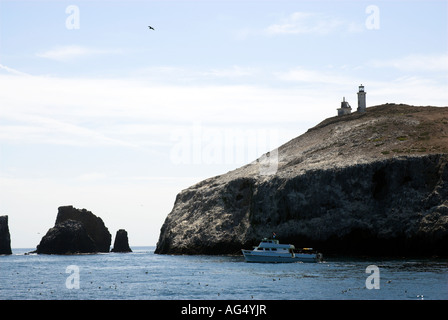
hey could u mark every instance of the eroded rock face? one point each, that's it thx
(360, 184)
(5, 238)
(67, 237)
(94, 225)
(75, 231)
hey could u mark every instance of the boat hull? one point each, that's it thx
(250, 256)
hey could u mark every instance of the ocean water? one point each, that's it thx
(145, 275)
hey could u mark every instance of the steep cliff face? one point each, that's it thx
(373, 183)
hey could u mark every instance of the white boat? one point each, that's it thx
(270, 250)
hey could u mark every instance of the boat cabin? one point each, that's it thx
(273, 245)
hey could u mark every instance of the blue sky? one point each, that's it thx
(100, 112)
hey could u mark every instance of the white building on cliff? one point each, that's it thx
(347, 109)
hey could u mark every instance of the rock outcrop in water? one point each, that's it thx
(121, 243)
(75, 231)
(369, 184)
(68, 237)
(5, 237)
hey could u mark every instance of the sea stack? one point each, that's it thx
(5, 238)
(121, 243)
(68, 237)
(76, 231)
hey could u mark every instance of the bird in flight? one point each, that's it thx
(150, 28)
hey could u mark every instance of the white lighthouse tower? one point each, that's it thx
(361, 99)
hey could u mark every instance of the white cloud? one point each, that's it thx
(232, 72)
(301, 74)
(91, 176)
(71, 52)
(34, 128)
(311, 23)
(416, 62)
(129, 113)
(188, 75)
(12, 71)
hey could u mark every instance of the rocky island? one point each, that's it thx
(371, 183)
(75, 231)
(121, 243)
